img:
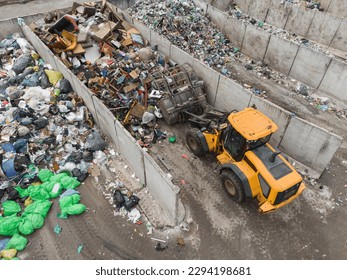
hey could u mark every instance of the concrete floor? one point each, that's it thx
(313, 227)
(34, 7)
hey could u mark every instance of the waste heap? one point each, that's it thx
(186, 25)
(111, 57)
(47, 143)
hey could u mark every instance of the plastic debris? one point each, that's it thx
(57, 229)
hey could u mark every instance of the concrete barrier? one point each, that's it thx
(335, 80)
(315, 65)
(231, 95)
(210, 78)
(133, 154)
(323, 29)
(310, 144)
(161, 187)
(145, 31)
(255, 42)
(218, 17)
(299, 20)
(10, 26)
(280, 116)
(235, 31)
(106, 122)
(281, 54)
(259, 9)
(340, 40)
(180, 56)
(336, 7)
(164, 45)
(277, 14)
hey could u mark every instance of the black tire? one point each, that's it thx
(233, 185)
(194, 144)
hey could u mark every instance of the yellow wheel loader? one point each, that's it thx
(249, 165)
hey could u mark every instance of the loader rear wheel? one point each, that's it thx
(194, 144)
(233, 185)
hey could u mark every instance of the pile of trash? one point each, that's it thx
(47, 141)
(235, 12)
(310, 4)
(186, 26)
(111, 57)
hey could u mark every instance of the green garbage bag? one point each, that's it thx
(10, 207)
(9, 225)
(76, 209)
(17, 242)
(26, 227)
(38, 193)
(70, 183)
(58, 177)
(54, 76)
(75, 198)
(39, 207)
(45, 175)
(54, 189)
(36, 220)
(22, 192)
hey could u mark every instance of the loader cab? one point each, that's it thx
(247, 130)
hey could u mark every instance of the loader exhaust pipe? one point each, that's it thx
(273, 156)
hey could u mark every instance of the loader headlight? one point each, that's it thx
(264, 186)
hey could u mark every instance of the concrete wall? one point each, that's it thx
(156, 182)
(226, 94)
(309, 67)
(123, 4)
(308, 143)
(10, 26)
(211, 83)
(335, 80)
(281, 54)
(335, 7)
(284, 55)
(231, 95)
(106, 122)
(255, 42)
(317, 26)
(151, 175)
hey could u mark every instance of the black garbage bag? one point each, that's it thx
(13, 194)
(118, 198)
(40, 123)
(65, 86)
(44, 81)
(31, 81)
(131, 203)
(21, 63)
(75, 157)
(82, 177)
(87, 156)
(95, 142)
(53, 109)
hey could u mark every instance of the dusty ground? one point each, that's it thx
(312, 227)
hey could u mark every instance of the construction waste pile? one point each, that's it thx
(111, 57)
(187, 27)
(48, 145)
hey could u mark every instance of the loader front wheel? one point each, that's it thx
(194, 144)
(233, 185)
